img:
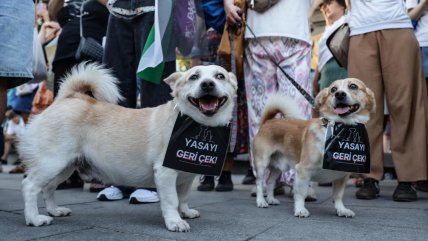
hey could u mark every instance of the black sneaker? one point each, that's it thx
(369, 190)
(404, 192)
(249, 179)
(224, 182)
(207, 184)
(422, 186)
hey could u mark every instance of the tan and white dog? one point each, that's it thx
(85, 130)
(282, 143)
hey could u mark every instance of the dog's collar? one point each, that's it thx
(324, 121)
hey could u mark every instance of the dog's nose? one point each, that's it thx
(340, 95)
(207, 85)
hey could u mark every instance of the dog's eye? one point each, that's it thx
(333, 89)
(194, 77)
(219, 76)
(353, 87)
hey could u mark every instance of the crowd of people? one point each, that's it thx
(388, 51)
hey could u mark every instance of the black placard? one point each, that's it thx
(347, 148)
(197, 148)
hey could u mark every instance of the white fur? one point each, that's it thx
(111, 143)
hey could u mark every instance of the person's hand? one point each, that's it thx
(48, 31)
(233, 13)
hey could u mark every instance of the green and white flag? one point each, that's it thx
(151, 65)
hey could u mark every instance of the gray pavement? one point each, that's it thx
(224, 216)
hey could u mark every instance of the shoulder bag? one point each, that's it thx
(338, 44)
(260, 6)
(89, 48)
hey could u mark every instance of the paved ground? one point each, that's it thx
(224, 216)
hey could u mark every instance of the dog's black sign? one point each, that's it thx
(347, 148)
(197, 148)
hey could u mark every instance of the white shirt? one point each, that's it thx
(324, 54)
(421, 31)
(15, 129)
(287, 18)
(373, 15)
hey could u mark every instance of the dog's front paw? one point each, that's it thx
(273, 201)
(301, 213)
(39, 220)
(177, 225)
(59, 212)
(190, 213)
(344, 212)
(261, 203)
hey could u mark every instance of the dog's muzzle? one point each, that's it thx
(208, 104)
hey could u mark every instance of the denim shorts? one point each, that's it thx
(16, 46)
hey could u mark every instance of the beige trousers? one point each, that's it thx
(389, 62)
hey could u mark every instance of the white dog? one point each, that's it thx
(287, 142)
(84, 130)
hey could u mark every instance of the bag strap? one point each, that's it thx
(80, 19)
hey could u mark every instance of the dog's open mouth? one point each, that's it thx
(208, 104)
(344, 110)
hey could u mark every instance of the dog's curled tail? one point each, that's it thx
(91, 79)
(282, 104)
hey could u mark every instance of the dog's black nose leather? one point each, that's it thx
(340, 95)
(207, 85)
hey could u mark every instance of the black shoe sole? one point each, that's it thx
(224, 188)
(205, 189)
(104, 198)
(367, 197)
(404, 199)
(133, 200)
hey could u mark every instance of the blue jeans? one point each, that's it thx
(16, 45)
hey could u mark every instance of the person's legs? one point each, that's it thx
(295, 59)
(406, 95)
(119, 55)
(364, 64)
(260, 81)
(3, 107)
(60, 69)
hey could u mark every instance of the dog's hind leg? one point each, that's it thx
(40, 174)
(338, 191)
(271, 182)
(300, 189)
(183, 192)
(49, 190)
(166, 180)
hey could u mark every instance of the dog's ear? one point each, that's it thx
(170, 80)
(233, 80)
(321, 98)
(371, 101)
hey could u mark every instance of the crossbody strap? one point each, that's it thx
(80, 19)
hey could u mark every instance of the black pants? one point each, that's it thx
(124, 44)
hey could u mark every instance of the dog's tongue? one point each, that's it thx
(341, 110)
(208, 105)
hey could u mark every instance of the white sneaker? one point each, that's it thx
(111, 193)
(143, 196)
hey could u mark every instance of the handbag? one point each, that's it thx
(338, 44)
(40, 69)
(89, 48)
(261, 5)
